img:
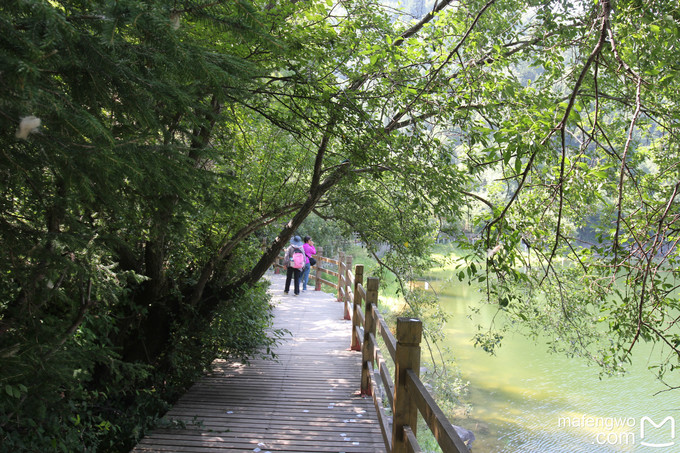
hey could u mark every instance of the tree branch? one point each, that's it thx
(416, 28)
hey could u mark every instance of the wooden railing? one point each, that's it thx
(406, 395)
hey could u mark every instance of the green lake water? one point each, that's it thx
(528, 400)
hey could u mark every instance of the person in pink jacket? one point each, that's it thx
(310, 250)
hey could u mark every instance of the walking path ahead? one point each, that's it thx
(306, 401)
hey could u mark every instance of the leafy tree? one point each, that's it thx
(174, 136)
(108, 207)
(590, 143)
(432, 114)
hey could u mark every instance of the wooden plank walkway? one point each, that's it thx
(306, 401)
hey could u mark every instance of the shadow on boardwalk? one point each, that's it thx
(305, 401)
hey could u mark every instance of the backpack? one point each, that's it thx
(298, 259)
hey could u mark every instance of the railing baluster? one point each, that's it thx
(318, 270)
(356, 305)
(347, 286)
(341, 275)
(368, 348)
(405, 412)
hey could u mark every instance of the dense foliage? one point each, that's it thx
(109, 211)
(157, 156)
(576, 162)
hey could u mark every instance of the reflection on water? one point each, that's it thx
(528, 400)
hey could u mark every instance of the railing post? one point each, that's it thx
(347, 284)
(409, 334)
(368, 349)
(341, 274)
(356, 304)
(317, 272)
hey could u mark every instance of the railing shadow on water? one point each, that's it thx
(404, 396)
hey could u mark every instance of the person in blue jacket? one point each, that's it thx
(296, 245)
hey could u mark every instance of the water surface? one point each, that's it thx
(531, 401)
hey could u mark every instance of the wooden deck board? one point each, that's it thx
(305, 401)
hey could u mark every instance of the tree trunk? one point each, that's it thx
(282, 239)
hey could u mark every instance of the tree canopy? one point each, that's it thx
(150, 148)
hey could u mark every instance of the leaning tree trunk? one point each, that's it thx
(284, 236)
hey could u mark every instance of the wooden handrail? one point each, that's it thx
(411, 441)
(406, 395)
(409, 334)
(433, 415)
(386, 333)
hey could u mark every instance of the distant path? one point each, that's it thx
(307, 401)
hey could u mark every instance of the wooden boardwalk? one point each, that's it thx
(306, 401)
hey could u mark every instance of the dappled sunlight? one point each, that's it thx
(224, 366)
(308, 397)
(393, 304)
(326, 328)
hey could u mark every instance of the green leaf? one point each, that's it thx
(507, 154)
(12, 391)
(599, 174)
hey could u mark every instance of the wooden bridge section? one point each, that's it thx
(306, 401)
